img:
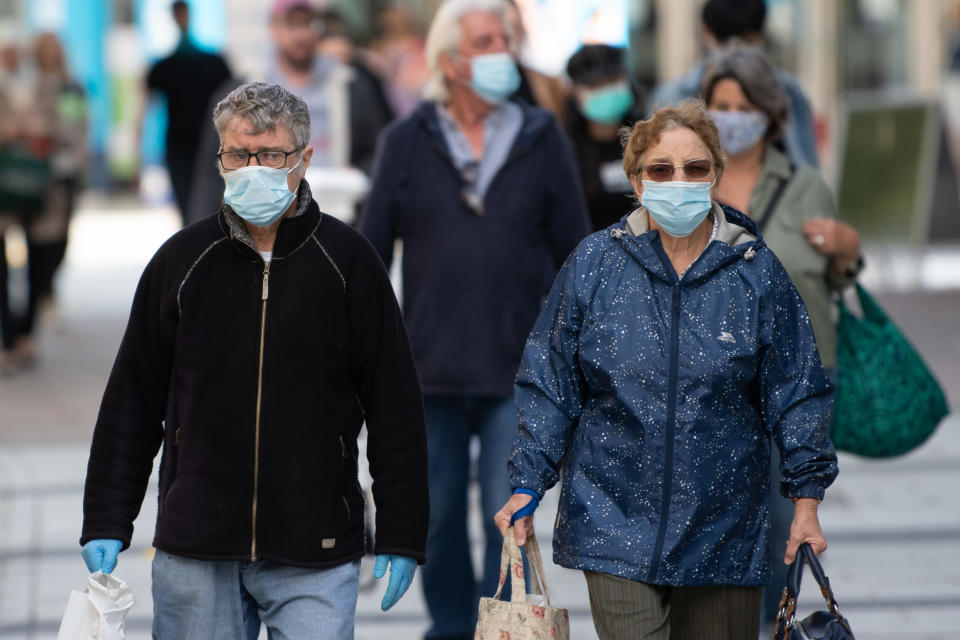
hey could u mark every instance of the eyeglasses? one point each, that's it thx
(664, 171)
(231, 160)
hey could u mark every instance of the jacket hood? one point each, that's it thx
(738, 238)
(536, 123)
(293, 231)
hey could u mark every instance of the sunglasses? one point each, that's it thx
(664, 171)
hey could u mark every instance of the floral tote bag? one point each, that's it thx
(524, 617)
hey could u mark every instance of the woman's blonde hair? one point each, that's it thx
(689, 114)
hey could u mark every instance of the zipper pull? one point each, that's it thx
(176, 437)
(266, 281)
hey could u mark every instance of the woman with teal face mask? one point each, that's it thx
(603, 100)
(672, 352)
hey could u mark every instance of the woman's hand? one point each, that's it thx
(833, 238)
(805, 528)
(523, 527)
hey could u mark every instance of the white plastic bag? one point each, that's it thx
(98, 612)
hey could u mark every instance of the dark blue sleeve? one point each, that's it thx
(379, 221)
(568, 222)
(550, 387)
(796, 397)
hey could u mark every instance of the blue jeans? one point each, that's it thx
(449, 585)
(228, 600)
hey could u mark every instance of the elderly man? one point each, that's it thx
(486, 199)
(259, 341)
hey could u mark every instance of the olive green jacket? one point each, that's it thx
(806, 196)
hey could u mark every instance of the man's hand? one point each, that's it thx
(402, 569)
(101, 555)
(805, 528)
(519, 512)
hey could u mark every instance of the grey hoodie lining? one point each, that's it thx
(638, 222)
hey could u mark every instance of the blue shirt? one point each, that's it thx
(500, 129)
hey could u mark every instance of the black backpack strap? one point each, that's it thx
(763, 220)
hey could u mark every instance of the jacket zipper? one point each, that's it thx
(264, 293)
(671, 427)
(343, 454)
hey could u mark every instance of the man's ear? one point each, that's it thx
(306, 154)
(447, 63)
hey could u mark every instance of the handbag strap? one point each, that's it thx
(536, 562)
(511, 564)
(763, 220)
(786, 613)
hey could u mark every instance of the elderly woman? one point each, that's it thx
(792, 206)
(672, 348)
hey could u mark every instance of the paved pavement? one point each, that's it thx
(893, 526)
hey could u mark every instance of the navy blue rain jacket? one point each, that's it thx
(473, 284)
(658, 398)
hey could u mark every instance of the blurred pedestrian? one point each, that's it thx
(484, 194)
(727, 22)
(67, 123)
(337, 41)
(672, 347)
(259, 342)
(399, 45)
(537, 89)
(795, 212)
(603, 101)
(345, 111)
(187, 79)
(43, 155)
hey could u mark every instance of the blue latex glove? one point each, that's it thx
(527, 509)
(101, 555)
(401, 575)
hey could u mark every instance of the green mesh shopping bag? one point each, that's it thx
(888, 402)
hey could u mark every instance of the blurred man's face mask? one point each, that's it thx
(493, 76)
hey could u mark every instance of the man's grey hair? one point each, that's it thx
(265, 107)
(753, 71)
(445, 35)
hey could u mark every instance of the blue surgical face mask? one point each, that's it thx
(678, 207)
(739, 130)
(259, 195)
(494, 76)
(607, 105)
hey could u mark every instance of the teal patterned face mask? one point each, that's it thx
(607, 105)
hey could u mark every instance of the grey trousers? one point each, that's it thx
(628, 610)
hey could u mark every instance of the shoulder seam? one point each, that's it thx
(330, 259)
(192, 267)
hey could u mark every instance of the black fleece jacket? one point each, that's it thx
(256, 380)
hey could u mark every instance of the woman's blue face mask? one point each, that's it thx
(678, 207)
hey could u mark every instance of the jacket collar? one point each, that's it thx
(535, 123)
(293, 231)
(737, 238)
